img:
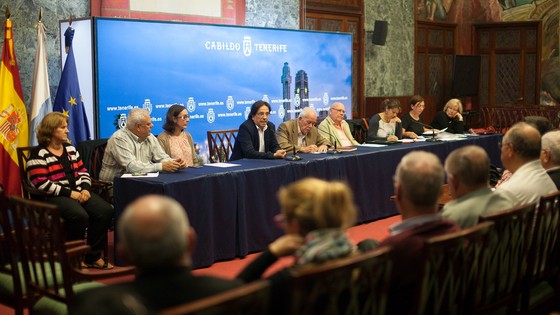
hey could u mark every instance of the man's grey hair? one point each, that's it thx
(136, 116)
(306, 111)
(551, 142)
(154, 243)
(420, 176)
(470, 165)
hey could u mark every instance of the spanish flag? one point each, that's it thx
(13, 116)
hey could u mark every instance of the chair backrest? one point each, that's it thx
(46, 259)
(354, 285)
(29, 191)
(220, 144)
(544, 253)
(501, 271)
(250, 299)
(9, 259)
(359, 129)
(92, 152)
(450, 270)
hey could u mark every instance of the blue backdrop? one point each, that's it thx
(216, 71)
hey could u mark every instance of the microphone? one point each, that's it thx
(294, 156)
(335, 151)
(433, 138)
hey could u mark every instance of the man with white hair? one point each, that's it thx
(335, 128)
(134, 149)
(467, 178)
(418, 180)
(155, 236)
(550, 155)
(300, 134)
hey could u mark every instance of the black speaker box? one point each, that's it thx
(380, 32)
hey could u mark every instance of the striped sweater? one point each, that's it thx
(46, 172)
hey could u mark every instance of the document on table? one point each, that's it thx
(373, 145)
(140, 174)
(223, 165)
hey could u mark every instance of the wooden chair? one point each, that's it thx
(540, 287)
(12, 286)
(359, 129)
(501, 271)
(249, 299)
(92, 152)
(450, 270)
(355, 285)
(29, 191)
(51, 267)
(220, 144)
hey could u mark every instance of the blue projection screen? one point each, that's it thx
(217, 72)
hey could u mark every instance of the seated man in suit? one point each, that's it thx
(302, 134)
(521, 149)
(335, 128)
(256, 137)
(134, 149)
(467, 177)
(418, 180)
(156, 237)
(550, 155)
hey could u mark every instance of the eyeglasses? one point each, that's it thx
(262, 114)
(184, 117)
(339, 110)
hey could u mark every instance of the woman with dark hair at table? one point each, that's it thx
(175, 141)
(55, 167)
(314, 215)
(386, 125)
(412, 123)
(450, 117)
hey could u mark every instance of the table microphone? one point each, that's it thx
(294, 156)
(433, 138)
(335, 151)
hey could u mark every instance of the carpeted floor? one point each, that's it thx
(229, 269)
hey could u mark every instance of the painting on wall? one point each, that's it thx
(231, 12)
(466, 12)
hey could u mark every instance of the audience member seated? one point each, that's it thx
(418, 180)
(55, 167)
(450, 117)
(335, 128)
(543, 125)
(550, 155)
(467, 179)
(302, 134)
(314, 215)
(521, 149)
(412, 123)
(386, 125)
(155, 236)
(175, 141)
(134, 149)
(256, 138)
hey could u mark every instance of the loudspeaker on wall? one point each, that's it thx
(380, 32)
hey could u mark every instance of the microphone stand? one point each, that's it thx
(433, 138)
(294, 156)
(335, 151)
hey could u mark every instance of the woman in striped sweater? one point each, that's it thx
(55, 167)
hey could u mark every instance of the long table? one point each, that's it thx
(232, 209)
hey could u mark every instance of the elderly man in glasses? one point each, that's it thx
(300, 134)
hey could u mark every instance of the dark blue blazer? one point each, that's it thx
(247, 142)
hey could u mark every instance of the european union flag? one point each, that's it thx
(68, 97)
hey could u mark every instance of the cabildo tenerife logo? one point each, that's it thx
(247, 45)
